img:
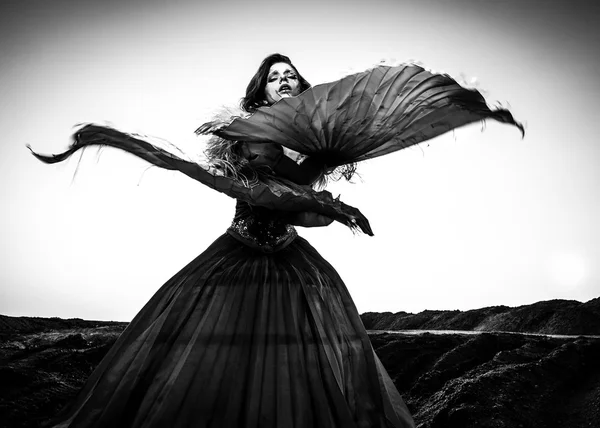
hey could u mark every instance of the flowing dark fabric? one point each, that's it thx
(259, 331)
(367, 114)
(240, 338)
(270, 192)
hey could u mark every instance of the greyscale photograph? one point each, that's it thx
(317, 214)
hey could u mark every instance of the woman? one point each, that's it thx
(259, 330)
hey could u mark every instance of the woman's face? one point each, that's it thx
(282, 82)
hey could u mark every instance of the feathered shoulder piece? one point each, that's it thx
(221, 153)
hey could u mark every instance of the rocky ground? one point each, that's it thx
(42, 369)
(495, 379)
(484, 380)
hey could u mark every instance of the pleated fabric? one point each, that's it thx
(240, 338)
(367, 114)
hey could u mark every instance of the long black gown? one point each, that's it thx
(259, 330)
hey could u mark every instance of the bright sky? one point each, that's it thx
(468, 220)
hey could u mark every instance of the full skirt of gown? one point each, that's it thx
(241, 338)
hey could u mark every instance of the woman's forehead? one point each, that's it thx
(280, 67)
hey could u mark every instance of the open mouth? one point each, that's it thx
(285, 89)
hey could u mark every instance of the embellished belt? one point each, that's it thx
(267, 236)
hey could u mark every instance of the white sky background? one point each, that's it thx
(465, 221)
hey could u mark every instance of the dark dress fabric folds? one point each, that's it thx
(244, 338)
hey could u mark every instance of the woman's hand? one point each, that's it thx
(353, 218)
(294, 155)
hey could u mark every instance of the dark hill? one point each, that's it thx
(567, 317)
(26, 325)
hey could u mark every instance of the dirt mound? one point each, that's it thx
(568, 317)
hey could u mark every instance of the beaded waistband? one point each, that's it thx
(266, 235)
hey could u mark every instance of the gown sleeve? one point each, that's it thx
(271, 158)
(276, 193)
(366, 115)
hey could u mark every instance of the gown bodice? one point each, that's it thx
(261, 228)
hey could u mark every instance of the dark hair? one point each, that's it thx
(255, 92)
